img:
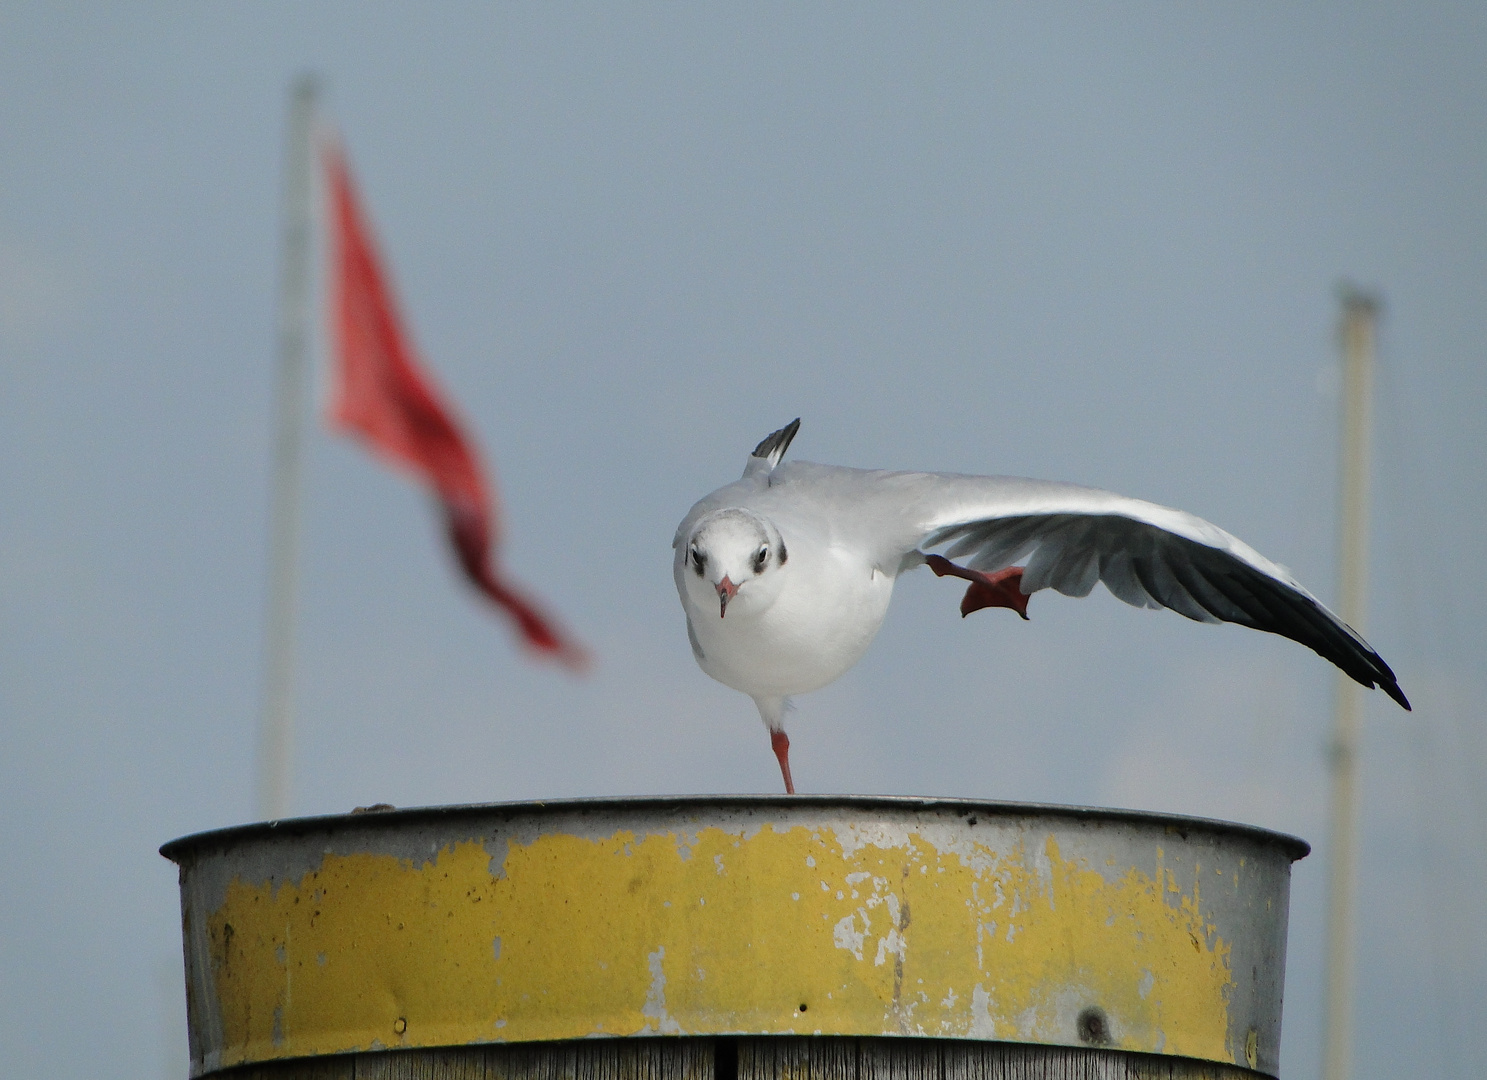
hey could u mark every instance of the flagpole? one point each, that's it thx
(276, 724)
(1359, 315)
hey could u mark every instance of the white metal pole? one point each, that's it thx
(1359, 316)
(276, 731)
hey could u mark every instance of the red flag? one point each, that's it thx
(384, 395)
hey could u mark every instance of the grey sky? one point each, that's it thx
(1097, 244)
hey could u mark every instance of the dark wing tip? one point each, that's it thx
(774, 445)
(1393, 690)
(1384, 679)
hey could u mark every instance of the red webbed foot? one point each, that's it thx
(1001, 589)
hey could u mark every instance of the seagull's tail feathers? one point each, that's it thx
(771, 449)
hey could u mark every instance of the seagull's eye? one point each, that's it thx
(761, 558)
(698, 559)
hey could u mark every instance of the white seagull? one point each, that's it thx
(786, 574)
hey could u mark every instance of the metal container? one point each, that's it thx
(749, 916)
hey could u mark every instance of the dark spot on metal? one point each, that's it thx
(802, 1006)
(971, 820)
(1092, 1026)
(375, 808)
(399, 1025)
(725, 1059)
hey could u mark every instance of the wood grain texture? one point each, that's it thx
(769, 1058)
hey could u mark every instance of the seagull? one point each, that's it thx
(786, 573)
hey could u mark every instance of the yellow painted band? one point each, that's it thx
(798, 930)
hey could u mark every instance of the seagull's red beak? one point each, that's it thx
(726, 592)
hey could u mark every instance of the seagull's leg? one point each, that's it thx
(772, 712)
(1001, 589)
(781, 743)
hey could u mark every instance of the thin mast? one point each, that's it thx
(1359, 317)
(277, 721)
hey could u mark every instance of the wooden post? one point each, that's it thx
(812, 938)
(771, 1058)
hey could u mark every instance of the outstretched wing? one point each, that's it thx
(1147, 555)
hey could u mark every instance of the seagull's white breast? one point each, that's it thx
(827, 610)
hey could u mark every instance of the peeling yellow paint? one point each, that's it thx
(799, 930)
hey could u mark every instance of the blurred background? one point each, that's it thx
(1089, 243)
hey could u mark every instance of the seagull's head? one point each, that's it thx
(733, 557)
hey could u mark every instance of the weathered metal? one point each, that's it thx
(848, 917)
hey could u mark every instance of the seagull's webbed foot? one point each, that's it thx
(1001, 589)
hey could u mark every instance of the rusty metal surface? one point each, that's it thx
(748, 916)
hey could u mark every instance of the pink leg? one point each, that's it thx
(1002, 589)
(781, 743)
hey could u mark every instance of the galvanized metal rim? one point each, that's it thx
(183, 847)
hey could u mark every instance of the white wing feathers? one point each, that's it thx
(1072, 537)
(1147, 555)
